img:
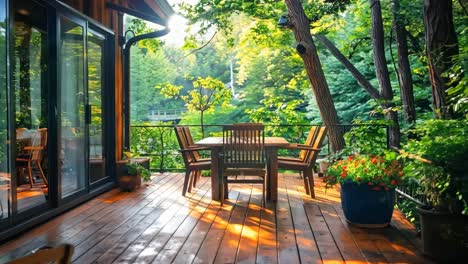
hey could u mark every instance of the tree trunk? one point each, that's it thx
(404, 69)
(381, 70)
(308, 52)
(441, 48)
(374, 94)
(201, 122)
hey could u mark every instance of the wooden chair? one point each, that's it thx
(307, 156)
(34, 154)
(194, 164)
(61, 255)
(243, 153)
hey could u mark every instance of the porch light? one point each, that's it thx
(284, 22)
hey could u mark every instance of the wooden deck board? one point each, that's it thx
(157, 224)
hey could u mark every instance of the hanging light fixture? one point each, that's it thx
(284, 22)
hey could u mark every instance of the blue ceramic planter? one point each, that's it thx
(366, 207)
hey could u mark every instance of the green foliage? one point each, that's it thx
(158, 142)
(136, 27)
(134, 169)
(206, 94)
(409, 209)
(457, 94)
(144, 79)
(366, 137)
(444, 177)
(365, 159)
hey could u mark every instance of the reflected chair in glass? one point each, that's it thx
(194, 164)
(61, 254)
(33, 155)
(307, 156)
(243, 154)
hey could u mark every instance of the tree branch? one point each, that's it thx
(374, 93)
(354, 47)
(199, 48)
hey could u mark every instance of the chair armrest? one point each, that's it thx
(190, 149)
(301, 147)
(33, 148)
(198, 148)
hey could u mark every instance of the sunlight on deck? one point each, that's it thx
(157, 224)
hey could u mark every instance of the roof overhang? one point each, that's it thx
(156, 11)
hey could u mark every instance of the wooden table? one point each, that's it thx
(271, 146)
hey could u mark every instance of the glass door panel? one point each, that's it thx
(5, 175)
(96, 73)
(72, 151)
(29, 73)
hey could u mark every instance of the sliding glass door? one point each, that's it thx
(96, 44)
(72, 154)
(83, 50)
(56, 102)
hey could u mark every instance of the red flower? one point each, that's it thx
(392, 182)
(343, 174)
(386, 188)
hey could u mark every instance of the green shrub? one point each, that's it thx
(437, 156)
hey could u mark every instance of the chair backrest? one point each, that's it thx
(20, 131)
(190, 142)
(184, 138)
(244, 146)
(309, 141)
(317, 143)
(61, 255)
(183, 144)
(39, 140)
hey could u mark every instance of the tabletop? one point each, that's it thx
(218, 142)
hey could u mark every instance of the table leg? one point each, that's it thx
(215, 182)
(272, 180)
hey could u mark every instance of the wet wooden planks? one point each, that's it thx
(156, 224)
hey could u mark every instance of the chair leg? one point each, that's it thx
(41, 172)
(310, 177)
(199, 176)
(195, 178)
(306, 183)
(226, 190)
(31, 181)
(186, 182)
(191, 179)
(263, 195)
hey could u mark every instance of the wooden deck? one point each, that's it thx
(157, 225)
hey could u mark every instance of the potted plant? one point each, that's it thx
(134, 173)
(368, 174)
(367, 187)
(437, 157)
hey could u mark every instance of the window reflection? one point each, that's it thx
(4, 172)
(95, 89)
(30, 92)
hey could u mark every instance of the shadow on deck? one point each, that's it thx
(156, 224)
